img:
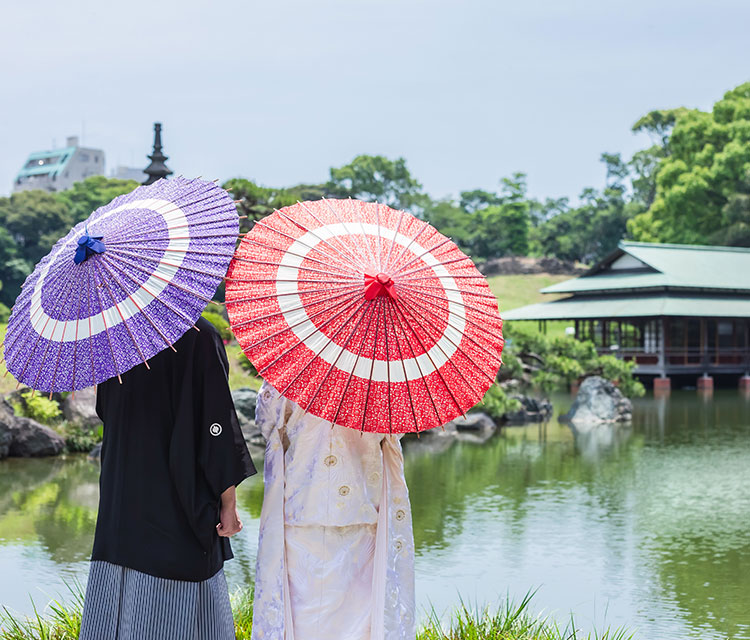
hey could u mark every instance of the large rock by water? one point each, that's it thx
(475, 427)
(531, 410)
(598, 402)
(32, 440)
(6, 437)
(80, 408)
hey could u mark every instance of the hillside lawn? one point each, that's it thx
(515, 291)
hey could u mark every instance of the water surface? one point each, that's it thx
(645, 526)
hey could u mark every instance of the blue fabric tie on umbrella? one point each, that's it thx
(88, 246)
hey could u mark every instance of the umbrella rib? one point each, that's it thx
(421, 372)
(168, 305)
(146, 232)
(388, 373)
(397, 306)
(432, 266)
(344, 347)
(444, 299)
(431, 251)
(75, 342)
(403, 368)
(91, 337)
(267, 262)
(137, 267)
(46, 346)
(458, 348)
(312, 231)
(315, 330)
(153, 260)
(371, 309)
(405, 247)
(417, 287)
(334, 256)
(306, 281)
(288, 293)
(364, 235)
(393, 242)
(355, 258)
(36, 342)
(296, 324)
(291, 253)
(478, 326)
(380, 240)
(372, 366)
(317, 355)
(141, 310)
(59, 350)
(297, 308)
(124, 322)
(106, 328)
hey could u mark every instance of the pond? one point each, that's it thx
(645, 526)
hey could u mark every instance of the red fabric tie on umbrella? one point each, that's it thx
(379, 285)
(364, 315)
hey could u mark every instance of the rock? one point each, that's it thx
(80, 408)
(244, 403)
(32, 440)
(6, 437)
(432, 441)
(252, 434)
(598, 401)
(532, 410)
(475, 427)
(96, 452)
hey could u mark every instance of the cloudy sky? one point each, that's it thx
(278, 91)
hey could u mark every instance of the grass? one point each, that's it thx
(513, 291)
(508, 622)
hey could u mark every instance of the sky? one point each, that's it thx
(468, 91)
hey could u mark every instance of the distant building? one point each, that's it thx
(58, 169)
(675, 310)
(129, 173)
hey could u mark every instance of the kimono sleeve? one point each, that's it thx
(222, 453)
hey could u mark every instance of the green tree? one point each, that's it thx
(377, 179)
(702, 178)
(84, 197)
(35, 220)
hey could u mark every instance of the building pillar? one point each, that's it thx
(745, 383)
(662, 386)
(705, 384)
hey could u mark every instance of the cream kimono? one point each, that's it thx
(336, 549)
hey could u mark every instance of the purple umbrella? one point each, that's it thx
(121, 286)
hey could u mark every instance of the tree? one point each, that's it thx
(377, 179)
(35, 220)
(84, 197)
(701, 180)
(257, 202)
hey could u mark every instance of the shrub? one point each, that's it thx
(221, 324)
(496, 403)
(38, 408)
(79, 440)
(4, 313)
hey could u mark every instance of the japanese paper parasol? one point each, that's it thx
(364, 315)
(121, 286)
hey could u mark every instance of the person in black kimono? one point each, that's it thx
(172, 455)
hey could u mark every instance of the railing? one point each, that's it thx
(731, 357)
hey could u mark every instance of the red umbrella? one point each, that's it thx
(364, 315)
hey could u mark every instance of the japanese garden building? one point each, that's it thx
(676, 310)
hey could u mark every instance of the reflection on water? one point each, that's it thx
(645, 526)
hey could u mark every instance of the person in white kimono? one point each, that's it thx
(336, 548)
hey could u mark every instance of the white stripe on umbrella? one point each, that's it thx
(348, 361)
(179, 242)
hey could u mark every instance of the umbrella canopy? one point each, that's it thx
(122, 285)
(364, 315)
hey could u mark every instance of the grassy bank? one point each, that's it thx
(508, 622)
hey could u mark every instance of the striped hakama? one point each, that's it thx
(125, 604)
